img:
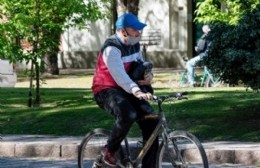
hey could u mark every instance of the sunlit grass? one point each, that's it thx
(67, 108)
(209, 113)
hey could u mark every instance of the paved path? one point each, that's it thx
(50, 163)
(61, 151)
(36, 163)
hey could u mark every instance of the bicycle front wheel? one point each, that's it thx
(89, 154)
(184, 79)
(183, 150)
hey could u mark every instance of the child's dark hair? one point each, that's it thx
(137, 72)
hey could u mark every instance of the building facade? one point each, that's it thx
(167, 38)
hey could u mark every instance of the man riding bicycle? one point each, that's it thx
(118, 94)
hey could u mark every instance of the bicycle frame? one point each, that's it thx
(172, 143)
(206, 73)
(162, 125)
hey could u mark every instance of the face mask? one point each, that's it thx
(132, 40)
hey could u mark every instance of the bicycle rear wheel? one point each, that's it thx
(89, 154)
(213, 81)
(183, 150)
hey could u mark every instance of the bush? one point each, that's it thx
(235, 50)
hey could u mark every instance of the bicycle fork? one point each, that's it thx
(173, 154)
(168, 152)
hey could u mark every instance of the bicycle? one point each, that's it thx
(207, 80)
(177, 148)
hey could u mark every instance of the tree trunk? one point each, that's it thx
(133, 6)
(121, 7)
(51, 58)
(37, 95)
(31, 86)
(130, 6)
(52, 63)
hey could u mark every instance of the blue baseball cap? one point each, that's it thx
(129, 20)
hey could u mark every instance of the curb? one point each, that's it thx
(54, 147)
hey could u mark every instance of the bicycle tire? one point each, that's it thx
(89, 153)
(217, 82)
(183, 81)
(185, 151)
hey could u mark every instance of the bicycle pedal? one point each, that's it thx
(97, 165)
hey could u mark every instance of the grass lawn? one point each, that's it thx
(210, 113)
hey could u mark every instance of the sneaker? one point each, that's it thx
(109, 158)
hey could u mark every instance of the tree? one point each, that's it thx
(120, 7)
(124, 6)
(235, 35)
(225, 11)
(40, 23)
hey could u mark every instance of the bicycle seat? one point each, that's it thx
(151, 116)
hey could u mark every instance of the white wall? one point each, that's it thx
(155, 13)
(169, 17)
(90, 39)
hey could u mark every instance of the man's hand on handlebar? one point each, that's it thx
(176, 95)
(141, 95)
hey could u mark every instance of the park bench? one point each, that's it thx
(150, 37)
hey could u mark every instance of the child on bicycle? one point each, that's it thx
(138, 73)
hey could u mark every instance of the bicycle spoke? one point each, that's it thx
(90, 150)
(185, 150)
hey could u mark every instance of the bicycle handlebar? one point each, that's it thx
(177, 95)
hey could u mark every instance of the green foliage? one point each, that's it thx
(235, 50)
(227, 11)
(40, 23)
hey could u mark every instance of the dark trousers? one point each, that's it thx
(128, 109)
